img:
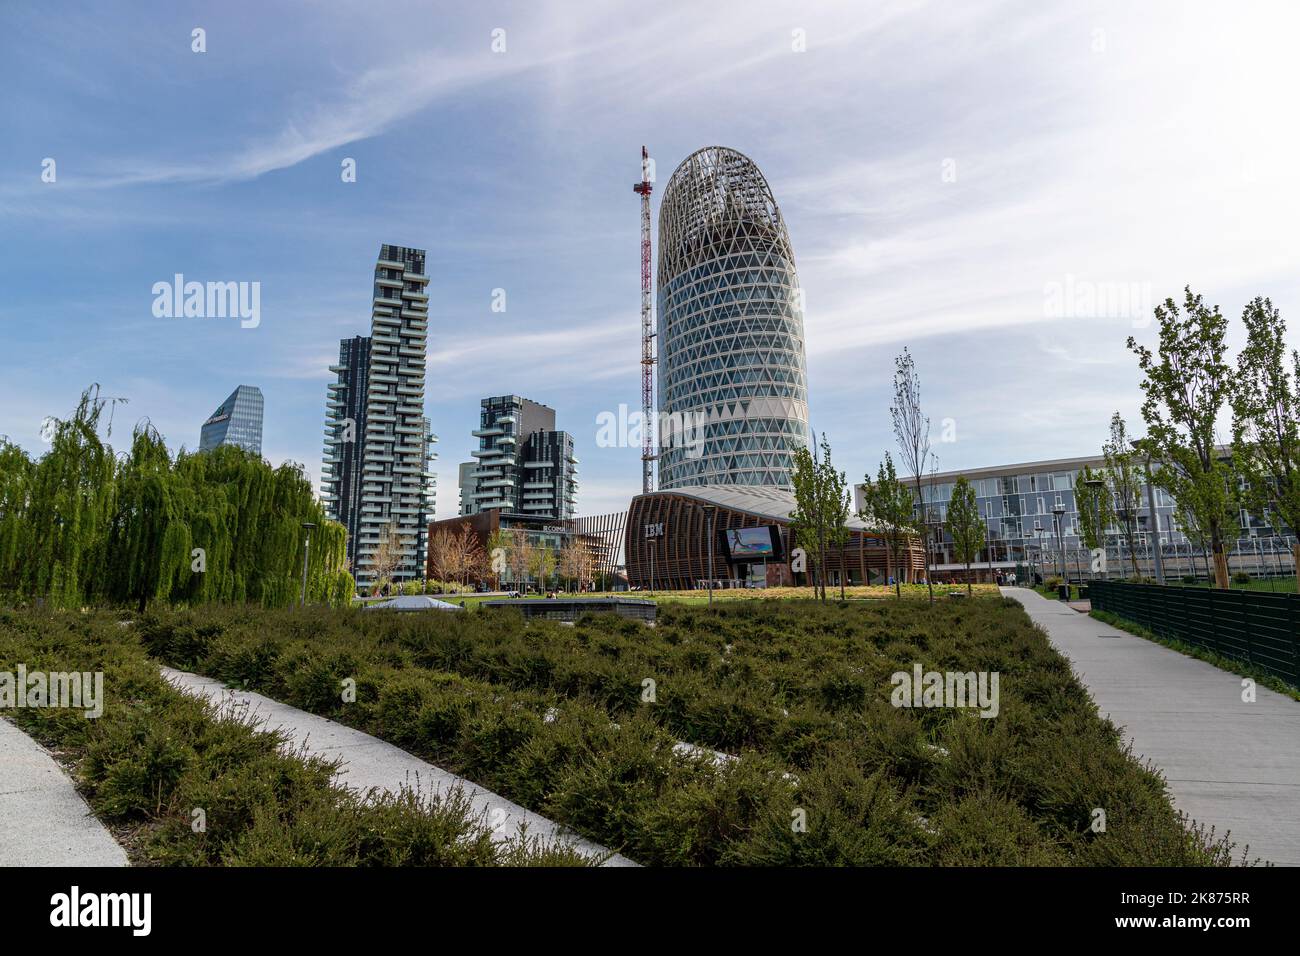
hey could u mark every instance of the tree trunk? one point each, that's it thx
(968, 588)
(1220, 566)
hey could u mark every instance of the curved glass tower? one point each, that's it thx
(730, 328)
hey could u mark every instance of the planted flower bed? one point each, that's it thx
(582, 724)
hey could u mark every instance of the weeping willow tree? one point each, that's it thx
(81, 526)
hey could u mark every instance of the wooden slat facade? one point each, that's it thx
(681, 553)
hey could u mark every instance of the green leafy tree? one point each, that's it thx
(807, 520)
(84, 525)
(1186, 384)
(838, 506)
(965, 524)
(1266, 419)
(821, 511)
(1124, 478)
(889, 508)
(1094, 506)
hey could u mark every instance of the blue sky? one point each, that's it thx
(940, 167)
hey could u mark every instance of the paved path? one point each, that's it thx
(1230, 764)
(43, 819)
(369, 762)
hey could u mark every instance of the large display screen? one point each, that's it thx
(745, 543)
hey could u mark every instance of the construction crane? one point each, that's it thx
(647, 334)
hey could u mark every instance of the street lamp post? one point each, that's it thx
(708, 511)
(306, 547)
(1058, 515)
(988, 536)
(1038, 532)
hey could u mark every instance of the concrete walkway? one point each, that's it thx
(1230, 764)
(43, 819)
(370, 763)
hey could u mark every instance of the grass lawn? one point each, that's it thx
(584, 724)
(875, 592)
(860, 593)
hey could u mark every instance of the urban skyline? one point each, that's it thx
(914, 220)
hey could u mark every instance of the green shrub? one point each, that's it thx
(559, 719)
(156, 756)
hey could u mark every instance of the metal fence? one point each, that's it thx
(1255, 627)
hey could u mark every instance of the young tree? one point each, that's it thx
(519, 558)
(388, 555)
(965, 524)
(912, 429)
(889, 507)
(1094, 506)
(1186, 384)
(1124, 477)
(1266, 418)
(808, 519)
(543, 564)
(471, 557)
(575, 563)
(465, 553)
(498, 552)
(442, 554)
(821, 508)
(838, 506)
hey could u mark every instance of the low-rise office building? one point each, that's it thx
(1018, 504)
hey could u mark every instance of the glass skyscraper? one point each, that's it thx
(237, 421)
(730, 328)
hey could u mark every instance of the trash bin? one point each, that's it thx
(1064, 592)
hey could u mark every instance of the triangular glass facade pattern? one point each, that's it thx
(730, 326)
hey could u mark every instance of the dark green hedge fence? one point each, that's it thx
(1255, 627)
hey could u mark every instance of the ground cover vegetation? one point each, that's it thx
(584, 724)
(156, 756)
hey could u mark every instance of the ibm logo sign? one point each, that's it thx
(654, 530)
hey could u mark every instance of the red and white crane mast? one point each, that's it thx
(648, 416)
